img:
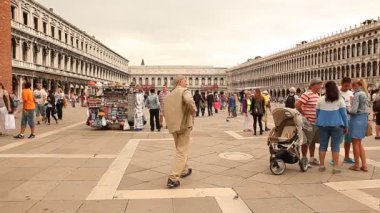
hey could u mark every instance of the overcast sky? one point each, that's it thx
(209, 32)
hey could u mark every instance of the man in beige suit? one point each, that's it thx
(179, 112)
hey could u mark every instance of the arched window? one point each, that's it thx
(369, 47)
(335, 55)
(190, 81)
(134, 80)
(222, 81)
(146, 81)
(52, 59)
(196, 81)
(348, 51)
(339, 51)
(153, 81)
(35, 53)
(159, 81)
(374, 68)
(364, 48)
(140, 81)
(203, 81)
(215, 81)
(343, 52)
(14, 47)
(24, 51)
(358, 49)
(375, 46)
(165, 80)
(353, 50)
(369, 69)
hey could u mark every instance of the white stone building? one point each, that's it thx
(199, 77)
(353, 52)
(47, 48)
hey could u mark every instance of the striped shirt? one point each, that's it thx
(309, 102)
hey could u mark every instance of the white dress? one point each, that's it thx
(139, 111)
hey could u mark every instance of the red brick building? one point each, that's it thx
(5, 44)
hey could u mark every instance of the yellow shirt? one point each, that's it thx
(266, 101)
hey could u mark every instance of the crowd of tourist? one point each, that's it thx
(35, 107)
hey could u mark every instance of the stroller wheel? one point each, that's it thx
(304, 164)
(277, 166)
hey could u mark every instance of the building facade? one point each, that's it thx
(203, 78)
(48, 49)
(352, 52)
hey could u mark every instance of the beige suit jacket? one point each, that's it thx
(179, 110)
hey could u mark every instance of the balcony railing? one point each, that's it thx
(51, 70)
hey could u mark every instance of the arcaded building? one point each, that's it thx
(203, 78)
(353, 52)
(49, 49)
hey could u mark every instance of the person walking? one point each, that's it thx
(223, 100)
(332, 123)
(290, 101)
(210, 103)
(5, 107)
(139, 109)
(163, 94)
(179, 111)
(203, 103)
(29, 107)
(246, 106)
(267, 108)
(40, 96)
(232, 106)
(153, 103)
(59, 99)
(358, 123)
(257, 111)
(307, 105)
(197, 99)
(50, 108)
(216, 103)
(347, 95)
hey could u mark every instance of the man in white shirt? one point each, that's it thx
(40, 97)
(348, 95)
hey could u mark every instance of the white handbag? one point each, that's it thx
(10, 122)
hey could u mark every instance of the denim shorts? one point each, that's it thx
(28, 117)
(335, 133)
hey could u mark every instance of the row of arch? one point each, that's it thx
(41, 55)
(192, 81)
(359, 49)
(363, 70)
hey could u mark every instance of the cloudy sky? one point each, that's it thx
(209, 32)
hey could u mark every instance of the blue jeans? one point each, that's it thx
(333, 132)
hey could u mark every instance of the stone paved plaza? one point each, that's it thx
(72, 168)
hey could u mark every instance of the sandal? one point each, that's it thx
(322, 169)
(354, 168)
(364, 169)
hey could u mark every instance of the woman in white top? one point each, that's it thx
(5, 107)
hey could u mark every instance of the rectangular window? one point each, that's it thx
(81, 45)
(44, 26)
(66, 38)
(60, 35)
(25, 18)
(72, 41)
(13, 12)
(52, 31)
(77, 43)
(35, 23)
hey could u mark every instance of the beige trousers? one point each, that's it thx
(179, 164)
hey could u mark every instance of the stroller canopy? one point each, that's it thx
(282, 114)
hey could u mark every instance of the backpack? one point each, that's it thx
(258, 109)
(290, 102)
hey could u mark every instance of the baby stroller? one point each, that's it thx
(285, 140)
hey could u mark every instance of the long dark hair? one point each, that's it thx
(332, 91)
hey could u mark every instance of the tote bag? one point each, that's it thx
(10, 122)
